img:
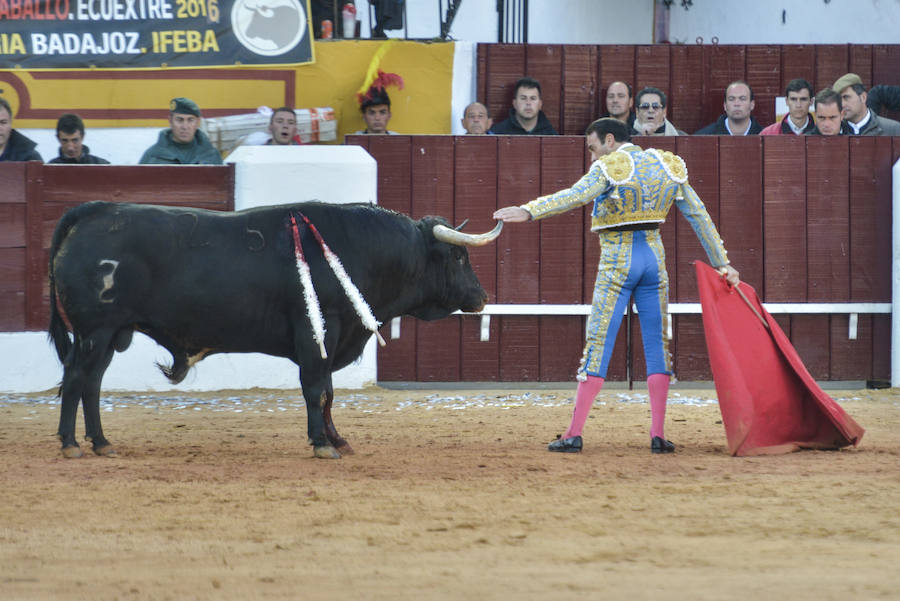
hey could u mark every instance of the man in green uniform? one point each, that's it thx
(183, 143)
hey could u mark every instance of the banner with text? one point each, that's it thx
(135, 34)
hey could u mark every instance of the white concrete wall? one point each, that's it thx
(264, 176)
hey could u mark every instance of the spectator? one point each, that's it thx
(737, 120)
(14, 146)
(798, 94)
(619, 103)
(828, 115)
(183, 143)
(883, 98)
(526, 116)
(70, 133)
(283, 128)
(860, 119)
(375, 104)
(651, 115)
(476, 120)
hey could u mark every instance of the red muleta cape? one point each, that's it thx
(769, 402)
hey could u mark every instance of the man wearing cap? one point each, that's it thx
(861, 120)
(183, 143)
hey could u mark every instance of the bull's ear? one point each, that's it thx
(460, 227)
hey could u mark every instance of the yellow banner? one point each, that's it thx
(140, 98)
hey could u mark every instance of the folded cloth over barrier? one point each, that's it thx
(769, 402)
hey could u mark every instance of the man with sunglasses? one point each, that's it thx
(650, 119)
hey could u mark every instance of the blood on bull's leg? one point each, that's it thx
(330, 431)
(314, 395)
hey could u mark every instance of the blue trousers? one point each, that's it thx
(632, 263)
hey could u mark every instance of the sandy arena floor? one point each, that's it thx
(450, 495)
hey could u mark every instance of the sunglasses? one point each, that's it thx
(647, 106)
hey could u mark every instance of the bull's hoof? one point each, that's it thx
(105, 450)
(72, 452)
(326, 452)
(343, 447)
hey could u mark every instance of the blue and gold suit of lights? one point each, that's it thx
(630, 187)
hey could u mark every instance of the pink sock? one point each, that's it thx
(658, 384)
(584, 400)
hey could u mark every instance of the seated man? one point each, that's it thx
(283, 128)
(650, 119)
(798, 95)
(475, 119)
(14, 146)
(70, 133)
(619, 103)
(828, 115)
(183, 143)
(526, 117)
(737, 120)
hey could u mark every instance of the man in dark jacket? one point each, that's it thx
(861, 120)
(526, 117)
(14, 146)
(70, 133)
(737, 120)
(828, 115)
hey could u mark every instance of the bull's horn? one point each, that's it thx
(451, 236)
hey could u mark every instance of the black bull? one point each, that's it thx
(201, 282)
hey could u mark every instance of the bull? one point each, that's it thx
(201, 282)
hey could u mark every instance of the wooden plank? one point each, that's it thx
(12, 224)
(518, 272)
(544, 62)
(784, 218)
(12, 270)
(617, 63)
(482, 66)
(12, 182)
(562, 342)
(432, 184)
(560, 260)
(741, 205)
(851, 359)
(766, 80)
(828, 219)
(480, 361)
(580, 97)
(35, 260)
(881, 347)
(832, 61)
(12, 311)
(692, 359)
(810, 336)
(506, 64)
(475, 197)
(396, 361)
(653, 69)
(687, 86)
(722, 65)
(862, 62)
(870, 218)
(799, 60)
(561, 268)
(205, 186)
(701, 155)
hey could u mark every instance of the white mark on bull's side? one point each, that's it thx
(194, 359)
(108, 280)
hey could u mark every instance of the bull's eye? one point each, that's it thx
(459, 255)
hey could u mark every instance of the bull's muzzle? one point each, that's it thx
(451, 236)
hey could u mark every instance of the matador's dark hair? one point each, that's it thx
(608, 125)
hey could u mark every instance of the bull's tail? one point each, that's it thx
(57, 330)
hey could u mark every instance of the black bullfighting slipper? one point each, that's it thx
(566, 445)
(661, 445)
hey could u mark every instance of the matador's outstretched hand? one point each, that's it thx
(512, 215)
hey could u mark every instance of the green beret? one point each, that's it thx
(185, 106)
(850, 79)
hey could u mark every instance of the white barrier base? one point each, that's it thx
(28, 363)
